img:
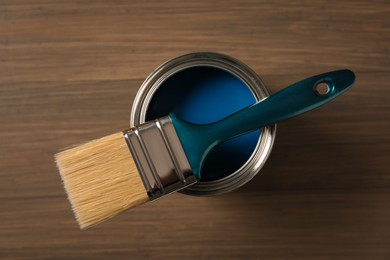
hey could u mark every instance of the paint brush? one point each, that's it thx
(107, 176)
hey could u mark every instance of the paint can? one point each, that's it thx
(202, 88)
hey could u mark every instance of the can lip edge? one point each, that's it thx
(265, 142)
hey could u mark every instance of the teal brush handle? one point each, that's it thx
(303, 96)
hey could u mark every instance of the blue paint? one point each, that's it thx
(202, 95)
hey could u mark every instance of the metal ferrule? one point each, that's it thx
(159, 157)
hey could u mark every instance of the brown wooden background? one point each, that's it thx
(69, 71)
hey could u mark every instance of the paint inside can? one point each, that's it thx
(205, 94)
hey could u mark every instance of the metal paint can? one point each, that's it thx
(165, 90)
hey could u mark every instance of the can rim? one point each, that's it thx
(210, 59)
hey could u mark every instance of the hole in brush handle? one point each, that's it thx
(323, 87)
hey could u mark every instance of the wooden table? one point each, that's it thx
(69, 71)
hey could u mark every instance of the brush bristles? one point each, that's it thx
(101, 179)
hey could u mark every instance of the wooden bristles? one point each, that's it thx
(101, 179)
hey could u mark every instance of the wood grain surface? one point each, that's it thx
(69, 71)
